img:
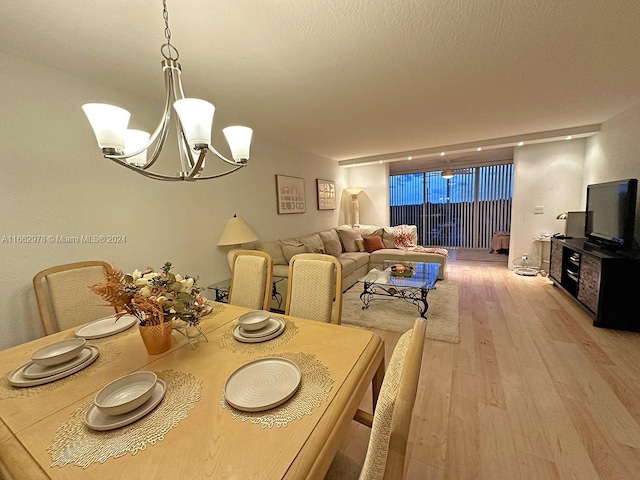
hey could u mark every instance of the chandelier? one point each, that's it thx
(193, 126)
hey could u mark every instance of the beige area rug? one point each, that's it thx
(479, 255)
(397, 315)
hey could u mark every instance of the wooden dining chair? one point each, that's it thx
(391, 421)
(315, 287)
(251, 279)
(63, 295)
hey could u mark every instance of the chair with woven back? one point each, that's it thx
(63, 295)
(391, 421)
(315, 287)
(251, 279)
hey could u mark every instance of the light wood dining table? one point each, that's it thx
(210, 442)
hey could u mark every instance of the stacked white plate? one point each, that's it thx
(36, 372)
(125, 400)
(106, 326)
(273, 328)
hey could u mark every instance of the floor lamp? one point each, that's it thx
(236, 232)
(355, 205)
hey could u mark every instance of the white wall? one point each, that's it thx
(374, 200)
(614, 154)
(54, 181)
(547, 175)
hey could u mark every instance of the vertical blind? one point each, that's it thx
(460, 212)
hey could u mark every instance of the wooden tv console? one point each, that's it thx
(605, 283)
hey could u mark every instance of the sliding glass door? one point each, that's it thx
(459, 212)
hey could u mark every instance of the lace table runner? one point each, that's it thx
(77, 444)
(314, 389)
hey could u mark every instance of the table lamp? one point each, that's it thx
(236, 232)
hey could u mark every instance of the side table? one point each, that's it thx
(221, 290)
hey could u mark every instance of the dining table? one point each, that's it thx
(194, 432)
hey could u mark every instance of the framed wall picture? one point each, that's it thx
(291, 195)
(326, 194)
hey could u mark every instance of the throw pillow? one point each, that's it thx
(333, 247)
(313, 242)
(273, 248)
(371, 244)
(360, 244)
(349, 237)
(291, 248)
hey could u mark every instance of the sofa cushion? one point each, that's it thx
(291, 247)
(313, 242)
(361, 258)
(371, 244)
(370, 231)
(348, 238)
(273, 248)
(348, 265)
(281, 271)
(387, 237)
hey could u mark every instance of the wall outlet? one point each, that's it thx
(538, 209)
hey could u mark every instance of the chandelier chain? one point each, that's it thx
(169, 52)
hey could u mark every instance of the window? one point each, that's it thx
(461, 212)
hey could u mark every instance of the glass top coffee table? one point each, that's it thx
(412, 285)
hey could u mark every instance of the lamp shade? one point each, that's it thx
(562, 216)
(134, 140)
(196, 117)
(354, 191)
(236, 232)
(239, 140)
(109, 124)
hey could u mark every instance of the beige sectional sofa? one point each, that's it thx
(348, 245)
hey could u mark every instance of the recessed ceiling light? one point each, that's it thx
(569, 137)
(410, 158)
(442, 154)
(479, 149)
(520, 144)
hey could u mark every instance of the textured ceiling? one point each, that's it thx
(355, 78)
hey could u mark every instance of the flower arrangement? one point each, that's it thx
(154, 297)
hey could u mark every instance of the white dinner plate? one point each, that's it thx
(272, 325)
(262, 384)
(17, 379)
(237, 334)
(97, 420)
(33, 370)
(106, 326)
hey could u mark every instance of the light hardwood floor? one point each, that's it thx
(532, 391)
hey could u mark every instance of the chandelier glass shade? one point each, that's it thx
(138, 150)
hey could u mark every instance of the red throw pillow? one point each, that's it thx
(371, 244)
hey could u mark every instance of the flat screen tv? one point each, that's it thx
(611, 214)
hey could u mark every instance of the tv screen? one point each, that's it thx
(611, 213)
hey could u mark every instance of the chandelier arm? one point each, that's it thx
(195, 170)
(155, 176)
(223, 158)
(218, 175)
(163, 127)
